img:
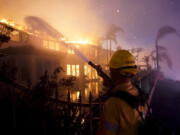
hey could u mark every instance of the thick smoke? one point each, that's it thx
(172, 43)
(140, 20)
(74, 18)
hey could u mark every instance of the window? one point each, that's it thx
(70, 51)
(68, 69)
(90, 72)
(77, 70)
(77, 94)
(51, 45)
(45, 44)
(57, 46)
(73, 70)
(85, 70)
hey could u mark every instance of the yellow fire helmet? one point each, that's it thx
(124, 61)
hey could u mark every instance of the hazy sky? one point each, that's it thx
(140, 20)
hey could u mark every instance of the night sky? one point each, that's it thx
(140, 20)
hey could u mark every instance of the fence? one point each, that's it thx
(64, 117)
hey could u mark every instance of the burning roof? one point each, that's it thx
(37, 26)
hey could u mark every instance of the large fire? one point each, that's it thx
(7, 22)
(12, 24)
(80, 41)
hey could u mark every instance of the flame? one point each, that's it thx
(12, 24)
(8, 22)
(63, 39)
(4, 21)
(20, 27)
(80, 41)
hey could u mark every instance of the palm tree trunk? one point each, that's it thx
(157, 57)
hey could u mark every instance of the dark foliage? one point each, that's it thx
(34, 111)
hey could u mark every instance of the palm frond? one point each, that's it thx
(112, 31)
(163, 31)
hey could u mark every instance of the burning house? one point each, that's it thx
(37, 56)
(34, 53)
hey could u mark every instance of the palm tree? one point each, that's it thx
(162, 55)
(159, 55)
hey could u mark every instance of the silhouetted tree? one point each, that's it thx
(162, 56)
(163, 31)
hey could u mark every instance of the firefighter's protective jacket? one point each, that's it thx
(118, 117)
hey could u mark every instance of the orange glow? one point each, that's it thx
(11, 23)
(6, 21)
(68, 69)
(77, 70)
(80, 41)
(77, 94)
(70, 51)
(57, 46)
(89, 86)
(85, 70)
(73, 70)
(63, 39)
(97, 88)
(86, 92)
(73, 97)
(20, 27)
(50, 44)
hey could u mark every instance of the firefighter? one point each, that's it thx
(118, 117)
